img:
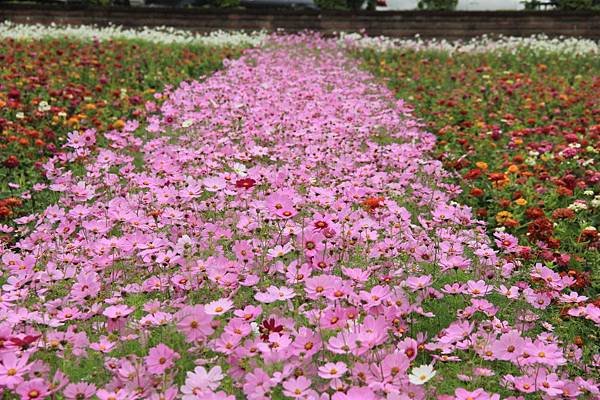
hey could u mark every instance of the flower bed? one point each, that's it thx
(279, 238)
(520, 126)
(59, 79)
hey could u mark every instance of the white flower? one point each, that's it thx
(579, 205)
(422, 374)
(201, 382)
(187, 123)
(159, 35)
(239, 169)
(255, 328)
(43, 106)
(20, 115)
(280, 251)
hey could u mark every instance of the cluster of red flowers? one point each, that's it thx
(523, 132)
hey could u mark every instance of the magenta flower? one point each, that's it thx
(200, 382)
(274, 294)
(478, 394)
(160, 358)
(280, 205)
(355, 393)
(117, 316)
(34, 389)
(195, 323)
(296, 388)
(12, 369)
(332, 370)
(79, 391)
(218, 307)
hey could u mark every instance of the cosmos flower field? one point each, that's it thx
(295, 217)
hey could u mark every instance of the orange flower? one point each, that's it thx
(373, 202)
(119, 124)
(481, 165)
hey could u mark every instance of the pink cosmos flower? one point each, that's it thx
(355, 393)
(103, 345)
(214, 184)
(200, 382)
(12, 369)
(418, 282)
(195, 323)
(79, 391)
(332, 370)
(34, 389)
(550, 383)
(525, 384)
(479, 288)
(160, 358)
(296, 388)
(218, 307)
(280, 205)
(477, 394)
(274, 294)
(117, 316)
(249, 313)
(543, 353)
(121, 394)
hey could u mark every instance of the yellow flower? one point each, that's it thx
(73, 121)
(119, 124)
(518, 141)
(503, 216)
(521, 201)
(481, 165)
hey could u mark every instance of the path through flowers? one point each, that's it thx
(282, 234)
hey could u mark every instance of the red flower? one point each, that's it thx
(534, 212)
(269, 326)
(246, 183)
(473, 174)
(476, 192)
(540, 229)
(11, 162)
(563, 213)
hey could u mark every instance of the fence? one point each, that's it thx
(450, 25)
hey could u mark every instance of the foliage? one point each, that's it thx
(332, 4)
(437, 5)
(226, 3)
(575, 4)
